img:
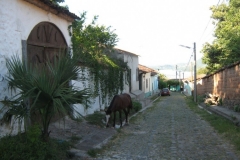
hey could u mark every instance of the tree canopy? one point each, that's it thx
(94, 44)
(162, 81)
(57, 1)
(225, 49)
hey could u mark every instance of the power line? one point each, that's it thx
(188, 62)
(208, 24)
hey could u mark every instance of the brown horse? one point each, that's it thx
(119, 103)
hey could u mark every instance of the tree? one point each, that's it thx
(57, 1)
(94, 44)
(225, 49)
(172, 82)
(202, 71)
(162, 81)
(46, 90)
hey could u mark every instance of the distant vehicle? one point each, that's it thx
(165, 92)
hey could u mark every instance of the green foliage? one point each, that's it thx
(93, 152)
(225, 49)
(96, 119)
(57, 1)
(236, 108)
(162, 84)
(137, 106)
(220, 101)
(94, 44)
(202, 71)
(46, 88)
(162, 77)
(30, 146)
(223, 126)
(173, 82)
(200, 98)
(162, 81)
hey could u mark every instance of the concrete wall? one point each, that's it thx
(224, 83)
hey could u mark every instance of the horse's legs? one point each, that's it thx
(120, 117)
(114, 118)
(126, 115)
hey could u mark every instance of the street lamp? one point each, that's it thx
(195, 73)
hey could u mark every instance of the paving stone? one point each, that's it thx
(170, 130)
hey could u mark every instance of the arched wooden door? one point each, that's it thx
(45, 42)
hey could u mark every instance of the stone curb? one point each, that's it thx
(227, 116)
(83, 154)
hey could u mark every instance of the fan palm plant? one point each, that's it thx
(44, 91)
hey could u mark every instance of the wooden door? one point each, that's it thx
(45, 42)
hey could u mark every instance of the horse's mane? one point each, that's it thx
(111, 104)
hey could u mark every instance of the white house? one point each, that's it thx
(132, 61)
(35, 29)
(148, 80)
(31, 29)
(132, 88)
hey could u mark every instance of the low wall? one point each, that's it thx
(224, 83)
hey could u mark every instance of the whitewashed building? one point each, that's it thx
(148, 80)
(35, 29)
(133, 88)
(31, 29)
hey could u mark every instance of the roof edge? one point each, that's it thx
(55, 9)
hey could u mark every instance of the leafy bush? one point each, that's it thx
(29, 145)
(137, 106)
(96, 119)
(220, 101)
(201, 98)
(236, 108)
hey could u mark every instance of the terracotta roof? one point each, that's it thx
(54, 8)
(120, 50)
(145, 69)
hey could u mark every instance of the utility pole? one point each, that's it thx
(180, 80)
(176, 71)
(195, 70)
(195, 73)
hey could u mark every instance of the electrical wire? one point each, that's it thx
(188, 62)
(208, 23)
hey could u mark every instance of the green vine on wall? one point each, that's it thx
(94, 44)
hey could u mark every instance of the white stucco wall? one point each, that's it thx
(154, 84)
(17, 19)
(132, 61)
(96, 104)
(147, 77)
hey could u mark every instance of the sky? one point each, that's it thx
(154, 29)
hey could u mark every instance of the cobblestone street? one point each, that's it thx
(169, 130)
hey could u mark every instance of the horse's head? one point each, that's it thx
(108, 113)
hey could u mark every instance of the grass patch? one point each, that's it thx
(96, 119)
(21, 148)
(75, 138)
(154, 97)
(93, 152)
(137, 106)
(222, 125)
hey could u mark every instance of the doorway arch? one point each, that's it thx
(45, 42)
